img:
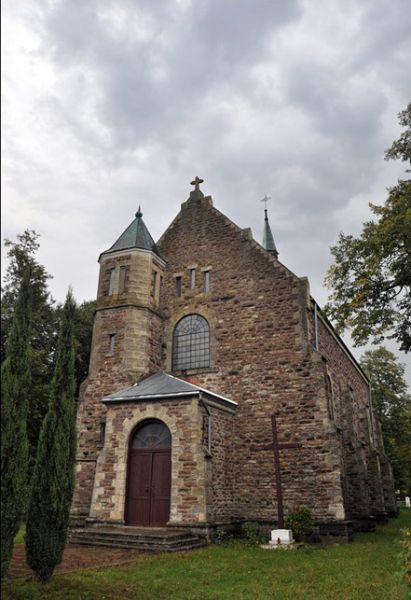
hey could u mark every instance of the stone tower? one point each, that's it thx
(126, 343)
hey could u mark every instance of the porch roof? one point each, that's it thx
(160, 386)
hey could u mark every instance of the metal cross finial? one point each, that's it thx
(265, 200)
(196, 182)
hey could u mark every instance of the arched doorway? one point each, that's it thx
(149, 475)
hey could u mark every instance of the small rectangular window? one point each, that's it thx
(192, 278)
(102, 432)
(111, 282)
(153, 283)
(206, 281)
(178, 286)
(123, 280)
(111, 337)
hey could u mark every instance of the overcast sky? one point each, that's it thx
(114, 103)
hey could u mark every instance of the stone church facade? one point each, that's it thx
(198, 340)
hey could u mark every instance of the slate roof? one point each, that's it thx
(161, 385)
(135, 236)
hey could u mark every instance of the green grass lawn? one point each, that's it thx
(365, 569)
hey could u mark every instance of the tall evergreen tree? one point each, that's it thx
(15, 376)
(22, 258)
(83, 329)
(53, 477)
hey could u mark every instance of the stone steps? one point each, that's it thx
(144, 541)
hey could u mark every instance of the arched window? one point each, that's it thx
(151, 435)
(191, 343)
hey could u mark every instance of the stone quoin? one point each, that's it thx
(198, 340)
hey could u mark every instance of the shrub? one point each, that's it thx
(220, 536)
(300, 521)
(251, 532)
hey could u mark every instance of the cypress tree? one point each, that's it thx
(21, 255)
(15, 375)
(53, 477)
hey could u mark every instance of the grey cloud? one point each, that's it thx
(207, 44)
(215, 89)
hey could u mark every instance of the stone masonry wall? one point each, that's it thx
(219, 464)
(259, 357)
(351, 423)
(386, 472)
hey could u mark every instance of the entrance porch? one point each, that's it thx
(166, 458)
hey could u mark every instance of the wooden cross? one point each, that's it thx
(196, 182)
(276, 447)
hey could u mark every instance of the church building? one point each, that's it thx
(198, 341)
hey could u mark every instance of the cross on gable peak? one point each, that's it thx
(196, 193)
(196, 182)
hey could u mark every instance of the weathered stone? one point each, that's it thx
(271, 352)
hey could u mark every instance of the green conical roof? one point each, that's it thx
(268, 239)
(135, 236)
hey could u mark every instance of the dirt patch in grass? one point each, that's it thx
(75, 558)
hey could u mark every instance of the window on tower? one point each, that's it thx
(111, 340)
(102, 436)
(122, 286)
(153, 283)
(111, 275)
(191, 343)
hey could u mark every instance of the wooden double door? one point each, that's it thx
(149, 482)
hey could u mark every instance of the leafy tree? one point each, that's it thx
(15, 375)
(22, 258)
(371, 275)
(53, 478)
(401, 148)
(392, 404)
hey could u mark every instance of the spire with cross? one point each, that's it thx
(268, 239)
(265, 200)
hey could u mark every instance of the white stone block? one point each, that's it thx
(281, 537)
